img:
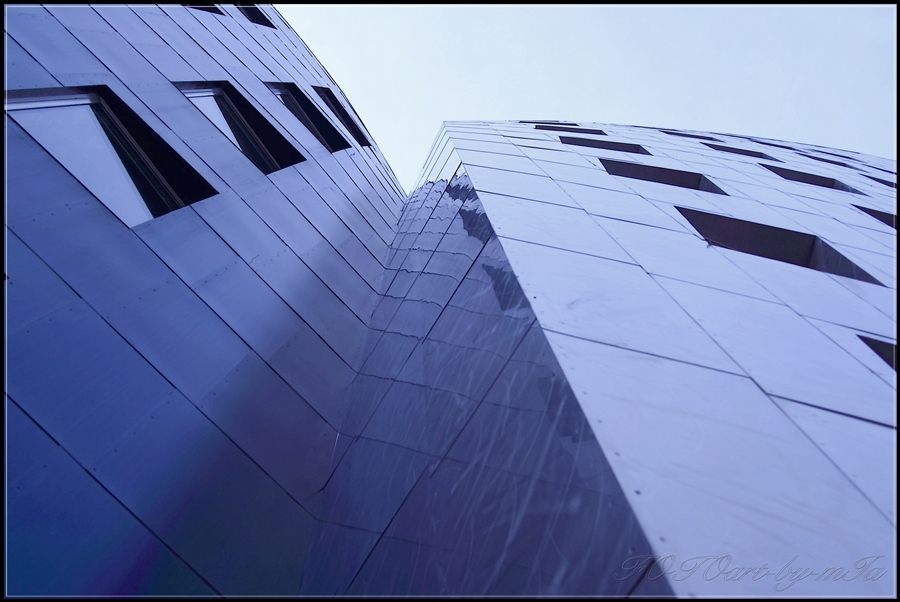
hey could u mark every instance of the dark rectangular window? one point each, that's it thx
(837, 155)
(886, 351)
(187, 185)
(623, 147)
(252, 12)
(661, 175)
(823, 160)
(883, 216)
(341, 113)
(551, 122)
(245, 126)
(880, 181)
(788, 246)
(808, 178)
(740, 151)
(210, 8)
(772, 144)
(103, 143)
(684, 135)
(574, 130)
(893, 173)
(310, 116)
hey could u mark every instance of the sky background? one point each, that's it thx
(813, 74)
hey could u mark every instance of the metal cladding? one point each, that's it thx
(579, 359)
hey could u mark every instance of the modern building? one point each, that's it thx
(578, 359)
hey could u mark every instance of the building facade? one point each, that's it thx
(578, 359)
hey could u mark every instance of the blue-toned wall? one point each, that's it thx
(282, 388)
(175, 390)
(731, 390)
(527, 378)
(474, 471)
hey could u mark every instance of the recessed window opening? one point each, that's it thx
(110, 150)
(341, 113)
(836, 155)
(210, 8)
(252, 12)
(772, 144)
(623, 147)
(661, 175)
(574, 130)
(886, 351)
(310, 116)
(893, 173)
(883, 216)
(243, 125)
(824, 160)
(880, 181)
(808, 178)
(739, 151)
(551, 122)
(684, 135)
(788, 246)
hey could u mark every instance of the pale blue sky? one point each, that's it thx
(815, 74)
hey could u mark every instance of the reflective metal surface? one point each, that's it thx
(531, 377)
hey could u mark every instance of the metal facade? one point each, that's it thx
(578, 359)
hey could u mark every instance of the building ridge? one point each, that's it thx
(578, 359)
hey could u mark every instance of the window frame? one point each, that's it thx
(157, 194)
(253, 133)
(340, 111)
(255, 150)
(255, 15)
(287, 93)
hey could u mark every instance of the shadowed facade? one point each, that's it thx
(240, 361)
